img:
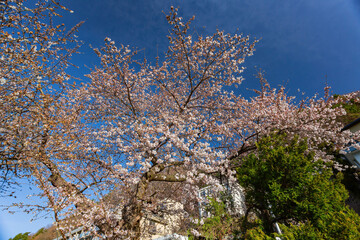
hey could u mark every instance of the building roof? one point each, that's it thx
(353, 123)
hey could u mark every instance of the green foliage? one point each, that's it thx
(220, 223)
(44, 233)
(352, 108)
(284, 183)
(256, 233)
(334, 225)
(301, 231)
(21, 236)
(350, 175)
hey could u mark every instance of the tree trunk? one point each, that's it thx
(132, 212)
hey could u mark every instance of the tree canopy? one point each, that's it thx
(21, 236)
(285, 184)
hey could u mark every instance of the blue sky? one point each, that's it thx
(301, 42)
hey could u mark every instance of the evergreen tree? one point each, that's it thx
(285, 183)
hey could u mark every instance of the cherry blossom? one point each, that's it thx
(99, 152)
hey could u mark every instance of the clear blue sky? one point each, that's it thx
(302, 41)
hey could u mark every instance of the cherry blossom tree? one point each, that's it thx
(179, 121)
(34, 53)
(100, 152)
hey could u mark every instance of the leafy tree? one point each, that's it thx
(285, 183)
(21, 236)
(219, 224)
